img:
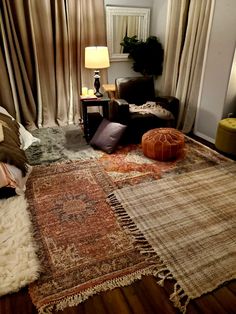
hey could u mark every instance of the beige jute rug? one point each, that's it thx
(190, 222)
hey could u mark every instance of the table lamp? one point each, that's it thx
(97, 58)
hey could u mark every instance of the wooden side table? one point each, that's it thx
(110, 89)
(93, 102)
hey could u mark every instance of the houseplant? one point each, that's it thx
(147, 55)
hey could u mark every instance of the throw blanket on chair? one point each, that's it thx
(152, 107)
(10, 151)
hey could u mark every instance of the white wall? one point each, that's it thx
(217, 69)
(230, 100)
(157, 28)
(158, 20)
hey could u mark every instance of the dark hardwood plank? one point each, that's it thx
(132, 298)
(115, 302)
(232, 287)
(17, 303)
(145, 302)
(169, 286)
(142, 297)
(158, 295)
(95, 304)
(72, 310)
(226, 298)
(209, 305)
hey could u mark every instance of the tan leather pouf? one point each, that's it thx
(163, 143)
(226, 136)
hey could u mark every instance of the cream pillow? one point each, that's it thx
(26, 138)
(153, 108)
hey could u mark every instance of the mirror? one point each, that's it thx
(124, 21)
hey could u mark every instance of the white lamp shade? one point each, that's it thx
(96, 57)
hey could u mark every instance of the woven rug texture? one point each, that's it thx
(189, 220)
(82, 248)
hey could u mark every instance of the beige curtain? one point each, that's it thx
(120, 25)
(124, 26)
(132, 25)
(184, 53)
(42, 57)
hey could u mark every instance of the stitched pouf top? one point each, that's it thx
(228, 124)
(163, 143)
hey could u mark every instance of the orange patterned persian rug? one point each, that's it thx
(83, 249)
(128, 165)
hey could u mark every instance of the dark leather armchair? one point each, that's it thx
(139, 90)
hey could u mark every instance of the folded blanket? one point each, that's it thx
(10, 151)
(153, 108)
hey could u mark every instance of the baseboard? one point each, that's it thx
(205, 137)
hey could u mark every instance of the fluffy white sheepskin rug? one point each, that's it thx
(19, 264)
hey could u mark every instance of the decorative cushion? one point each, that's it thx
(108, 135)
(26, 138)
(163, 143)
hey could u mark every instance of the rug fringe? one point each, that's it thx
(108, 285)
(160, 270)
(139, 240)
(176, 297)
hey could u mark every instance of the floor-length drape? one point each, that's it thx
(93, 33)
(188, 24)
(42, 57)
(120, 25)
(124, 26)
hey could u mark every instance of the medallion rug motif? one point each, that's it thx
(82, 248)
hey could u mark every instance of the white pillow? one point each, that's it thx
(26, 138)
(4, 111)
(11, 176)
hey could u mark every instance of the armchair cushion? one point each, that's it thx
(135, 90)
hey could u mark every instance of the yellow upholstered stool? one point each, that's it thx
(163, 143)
(226, 136)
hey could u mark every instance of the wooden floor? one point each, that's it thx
(144, 296)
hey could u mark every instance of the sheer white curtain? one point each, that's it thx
(132, 25)
(120, 25)
(124, 26)
(189, 21)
